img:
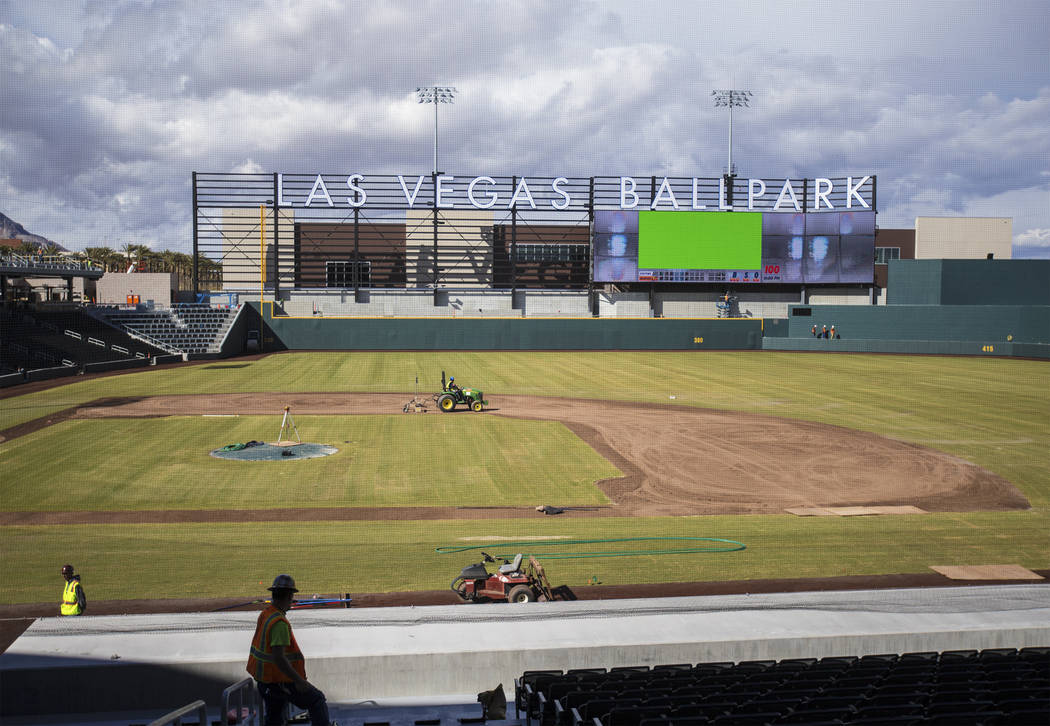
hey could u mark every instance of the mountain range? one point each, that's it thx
(10, 229)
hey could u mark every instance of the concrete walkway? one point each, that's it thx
(124, 663)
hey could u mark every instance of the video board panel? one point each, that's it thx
(737, 247)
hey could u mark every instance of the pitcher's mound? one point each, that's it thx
(273, 452)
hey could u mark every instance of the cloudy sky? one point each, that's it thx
(109, 105)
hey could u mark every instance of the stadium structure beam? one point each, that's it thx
(436, 95)
(730, 99)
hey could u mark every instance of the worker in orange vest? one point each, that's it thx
(277, 665)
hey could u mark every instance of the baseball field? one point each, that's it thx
(114, 473)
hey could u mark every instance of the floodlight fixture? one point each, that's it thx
(436, 95)
(731, 99)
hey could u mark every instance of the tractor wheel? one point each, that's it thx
(446, 403)
(476, 406)
(521, 593)
(459, 586)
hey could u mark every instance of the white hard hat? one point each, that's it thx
(283, 582)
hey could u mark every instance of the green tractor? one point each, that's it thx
(451, 395)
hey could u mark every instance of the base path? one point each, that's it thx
(676, 460)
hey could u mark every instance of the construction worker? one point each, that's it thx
(276, 663)
(73, 600)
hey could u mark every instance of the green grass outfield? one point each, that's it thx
(383, 461)
(993, 412)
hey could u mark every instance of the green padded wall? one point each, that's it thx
(968, 282)
(995, 282)
(913, 282)
(329, 333)
(990, 323)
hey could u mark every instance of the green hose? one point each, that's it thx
(728, 545)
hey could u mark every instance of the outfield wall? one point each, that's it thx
(329, 333)
(917, 329)
(965, 282)
(989, 324)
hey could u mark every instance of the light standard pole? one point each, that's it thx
(436, 95)
(730, 99)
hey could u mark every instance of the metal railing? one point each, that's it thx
(241, 696)
(50, 262)
(175, 717)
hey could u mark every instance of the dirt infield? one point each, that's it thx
(676, 460)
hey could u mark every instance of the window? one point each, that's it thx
(885, 254)
(552, 253)
(341, 274)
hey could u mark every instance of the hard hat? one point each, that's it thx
(451, 378)
(67, 569)
(283, 582)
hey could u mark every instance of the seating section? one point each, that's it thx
(1000, 687)
(50, 338)
(184, 328)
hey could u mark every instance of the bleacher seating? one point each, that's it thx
(185, 327)
(997, 687)
(41, 338)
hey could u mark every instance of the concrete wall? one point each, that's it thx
(839, 296)
(624, 305)
(963, 238)
(115, 663)
(554, 303)
(113, 288)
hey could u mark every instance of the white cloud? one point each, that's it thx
(1033, 238)
(123, 100)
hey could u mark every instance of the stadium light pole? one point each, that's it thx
(436, 95)
(730, 99)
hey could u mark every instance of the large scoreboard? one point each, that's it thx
(737, 247)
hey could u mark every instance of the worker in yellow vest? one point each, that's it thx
(277, 665)
(73, 600)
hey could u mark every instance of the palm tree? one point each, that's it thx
(27, 249)
(101, 256)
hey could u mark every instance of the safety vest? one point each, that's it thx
(261, 663)
(69, 598)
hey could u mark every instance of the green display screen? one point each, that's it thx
(700, 240)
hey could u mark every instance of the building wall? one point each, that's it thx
(240, 248)
(380, 244)
(902, 239)
(963, 238)
(113, 288)
(537, 274)
(464, 248)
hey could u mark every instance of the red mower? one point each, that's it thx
(511, 582)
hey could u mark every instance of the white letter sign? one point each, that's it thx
(626, 191)
(319, 190)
